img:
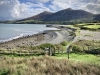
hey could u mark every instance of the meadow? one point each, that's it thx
(79, 57)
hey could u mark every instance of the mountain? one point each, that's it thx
(40, 16)
(97, 17)
(65, 15)
(69, 14)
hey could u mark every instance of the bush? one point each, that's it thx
(76, 49)
(64, 43)
(95, 51)
(86, 46)
(47, 45)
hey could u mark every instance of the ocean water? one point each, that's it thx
(13, 31)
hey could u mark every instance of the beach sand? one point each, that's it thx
(53, 37)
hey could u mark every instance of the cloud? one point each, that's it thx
(63, 4)
(44, 1)
(94, 8)
(18, 9)
(88, 5)
(13, 9)
(98, 1)
(36, 1)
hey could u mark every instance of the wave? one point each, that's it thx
(20, 36)
(16, 37)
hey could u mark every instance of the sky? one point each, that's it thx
(19, 9)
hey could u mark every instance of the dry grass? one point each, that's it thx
(86, 45)
(45, 66)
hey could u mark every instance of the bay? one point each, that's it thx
(13, 31)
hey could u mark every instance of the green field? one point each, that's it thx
(86, 58)
(89, 26)
(93, 26)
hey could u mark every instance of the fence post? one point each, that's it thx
(58, 49)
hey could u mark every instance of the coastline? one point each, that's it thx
(47, 36)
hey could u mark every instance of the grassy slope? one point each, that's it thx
(45, 66)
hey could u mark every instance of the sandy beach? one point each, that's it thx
(53, 36)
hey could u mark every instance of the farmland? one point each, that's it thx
(89, 26)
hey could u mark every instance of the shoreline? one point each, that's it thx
(18, 32)
(23, 41)
(47, 36)
(21, 36)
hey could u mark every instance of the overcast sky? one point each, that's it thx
(17, 9)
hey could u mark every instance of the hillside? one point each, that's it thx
(70, 14)
(40, 16)
(97, 17)
(66, 16)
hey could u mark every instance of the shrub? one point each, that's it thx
(64, 43)
(95, 51)
(76, 49)
(86, 46)
(47, 45)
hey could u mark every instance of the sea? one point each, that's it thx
(14, 31)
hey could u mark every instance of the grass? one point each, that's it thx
(78, 63)
(89, 35)
(86, 58)
(92, 26)
(83, 64)
(88, 26)
(45, 66)
(86, 46)
(77, 31)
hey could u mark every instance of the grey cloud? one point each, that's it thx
(13, 9)
(94, 8)
(88, 5)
